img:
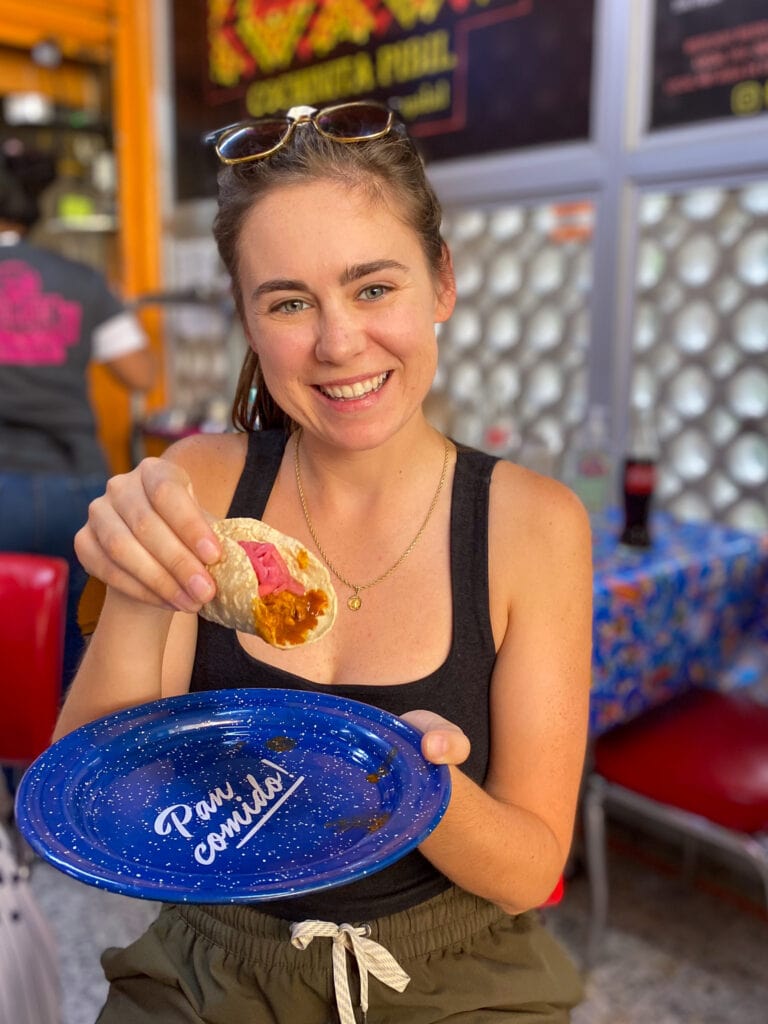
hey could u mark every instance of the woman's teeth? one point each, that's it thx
(357, 390)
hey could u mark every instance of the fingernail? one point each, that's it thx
(437, 747)
(200, 587)
(207, 551)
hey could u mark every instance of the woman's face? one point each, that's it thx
(340, 306)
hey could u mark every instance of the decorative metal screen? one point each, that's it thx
(512, 366)
(700, 348)
(512, 373)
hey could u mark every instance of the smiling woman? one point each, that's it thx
(470, 614)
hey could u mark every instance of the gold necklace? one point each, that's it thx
(354, 601)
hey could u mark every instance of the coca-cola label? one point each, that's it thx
(639, 477)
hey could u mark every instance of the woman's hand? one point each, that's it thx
(148, 538)
(442, 742)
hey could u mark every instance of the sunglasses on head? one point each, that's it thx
(346, 122)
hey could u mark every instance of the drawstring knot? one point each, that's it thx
(371, 957)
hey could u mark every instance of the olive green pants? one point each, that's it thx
(468, 963)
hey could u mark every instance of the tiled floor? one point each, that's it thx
(678, 950)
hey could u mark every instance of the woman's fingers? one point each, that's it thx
(442, 742)
(146, 580)
(169, 493)
(139, 533)
(148, 537)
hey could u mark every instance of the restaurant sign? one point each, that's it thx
(468, 76)
(710, 60)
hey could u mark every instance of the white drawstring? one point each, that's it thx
(370, 956)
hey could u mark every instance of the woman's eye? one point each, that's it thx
(290, 306)
(374, 291)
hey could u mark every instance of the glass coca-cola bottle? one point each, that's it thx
(639, 479)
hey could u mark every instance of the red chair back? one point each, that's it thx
(33, 599)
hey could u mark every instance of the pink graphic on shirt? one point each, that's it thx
(36, 327)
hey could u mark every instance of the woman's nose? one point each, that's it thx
(339, 337)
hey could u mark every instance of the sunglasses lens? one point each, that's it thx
(347, 122)
(354, 121)
(251, 140)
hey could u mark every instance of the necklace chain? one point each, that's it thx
(354, 601)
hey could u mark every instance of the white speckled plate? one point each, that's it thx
(232, 796)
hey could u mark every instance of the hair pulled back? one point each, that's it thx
(388, 170)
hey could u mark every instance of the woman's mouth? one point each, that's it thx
(361, 388)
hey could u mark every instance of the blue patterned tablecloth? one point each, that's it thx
(690, 610)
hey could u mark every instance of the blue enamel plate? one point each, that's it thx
(232, 796)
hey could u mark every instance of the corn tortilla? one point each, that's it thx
(282, 620)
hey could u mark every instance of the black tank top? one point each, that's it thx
(458, 689)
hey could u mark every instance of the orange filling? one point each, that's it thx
(286, 619)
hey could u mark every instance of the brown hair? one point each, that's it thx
(388, 168)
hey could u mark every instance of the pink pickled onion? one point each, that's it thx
(271, 571)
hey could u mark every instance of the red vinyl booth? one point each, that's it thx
(33, 597)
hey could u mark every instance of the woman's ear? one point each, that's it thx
(445, 291)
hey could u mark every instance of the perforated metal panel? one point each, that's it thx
(700, 348)
(513, 360)
(512, 366)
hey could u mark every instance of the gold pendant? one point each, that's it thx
(354, 602)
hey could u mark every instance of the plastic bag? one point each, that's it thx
(29, 962)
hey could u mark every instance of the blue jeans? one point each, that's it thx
(41, 513)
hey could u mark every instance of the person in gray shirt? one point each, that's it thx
(56, 317)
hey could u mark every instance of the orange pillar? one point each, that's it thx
(138, 204)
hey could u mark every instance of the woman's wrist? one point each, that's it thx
(133, 609)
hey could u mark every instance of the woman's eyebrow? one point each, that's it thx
(278, 284)
(358, 270)
(353, 273)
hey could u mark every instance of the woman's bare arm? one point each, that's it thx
(508, 841)
(139, 533)
(137, 653)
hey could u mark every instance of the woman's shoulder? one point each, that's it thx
(214, 463)
(537, 514)
(201, 447)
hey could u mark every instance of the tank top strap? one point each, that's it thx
(469, 553)
(262, 462)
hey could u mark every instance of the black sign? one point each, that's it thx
(710, 60)
(468, 76)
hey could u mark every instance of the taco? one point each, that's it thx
(269, 584)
